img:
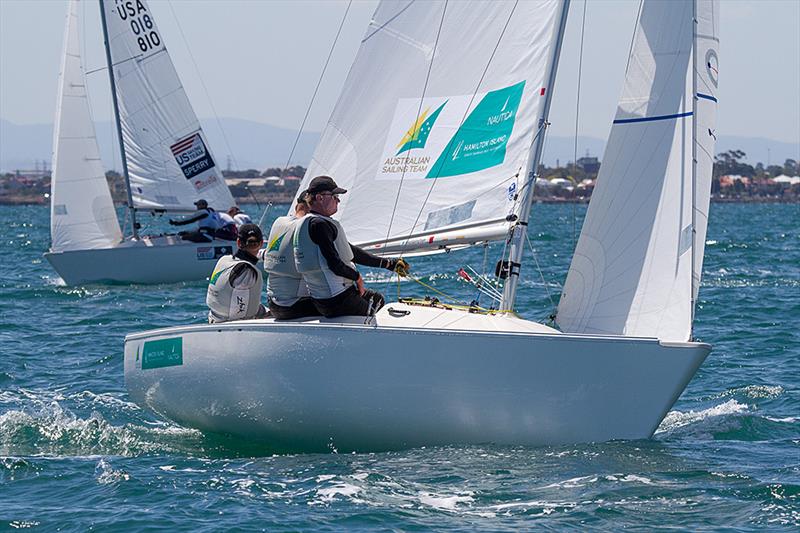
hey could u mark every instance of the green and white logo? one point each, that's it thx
(162, 352)
(440, 142)
(418, 133)
(481, 140)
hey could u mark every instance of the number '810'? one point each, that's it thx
(148, 38)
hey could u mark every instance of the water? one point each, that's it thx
(76, 454)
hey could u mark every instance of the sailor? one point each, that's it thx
(234, 289)
(287, 293)
(327, 260)
(229, 229)
(239, 217)
(208, 223)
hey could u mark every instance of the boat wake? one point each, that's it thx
(53, 430)
(730, 420)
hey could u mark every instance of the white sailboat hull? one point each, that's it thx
(165, 259)
(364, 387)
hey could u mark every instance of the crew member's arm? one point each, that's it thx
(242, 279)
(323, 233)
(363, 257)
(200, 215)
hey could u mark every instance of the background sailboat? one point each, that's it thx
(167, 163)
(422, 373)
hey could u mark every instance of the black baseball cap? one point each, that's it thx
(202, 204)
(324, 184)
(250, 234)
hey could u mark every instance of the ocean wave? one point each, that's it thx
(677, 419)
(753, 392)
(55, 431)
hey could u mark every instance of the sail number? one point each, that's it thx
(140, 22)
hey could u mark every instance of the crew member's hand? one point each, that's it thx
(360, 285)
(401, 267)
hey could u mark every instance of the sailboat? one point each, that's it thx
(437, 136)
(166, 161)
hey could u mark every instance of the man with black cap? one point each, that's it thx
(234, 289)
(208, 224)
(327, 260)
(287, 293)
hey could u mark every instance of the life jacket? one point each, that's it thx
(228, 230)
(285, 284)
(210, 223)
(242, 219)
(322, 282)
(226, 303)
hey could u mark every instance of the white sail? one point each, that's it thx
(631, 272)
(434, 125)
(169, 160)
(82, 212)
(707, 72)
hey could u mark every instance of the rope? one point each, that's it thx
(313, 97)
(577, 115)
(203, 84)
(461, 307)
(419, 110)
(464, 117)
(541, 273)
(316, 89)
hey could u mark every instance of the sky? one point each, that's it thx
(260, 60)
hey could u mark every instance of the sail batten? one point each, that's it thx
(82, 214)
(637, 255)
(170, 162)
(434, 125)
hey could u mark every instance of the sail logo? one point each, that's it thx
(193, 157)
(418, 133)
(470, 135)
(481, 139)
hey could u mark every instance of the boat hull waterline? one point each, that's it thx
(157, 260)
(356, 386)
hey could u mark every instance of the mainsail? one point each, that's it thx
(632, 269)
(82, 212)
(433, 128)
(169, 160)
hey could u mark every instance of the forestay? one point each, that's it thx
(434, 124)
(632, 268)
(169, 160)
(82, 212)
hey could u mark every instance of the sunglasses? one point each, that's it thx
(335, 196)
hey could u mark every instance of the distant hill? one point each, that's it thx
(253, 145)
(256, 145)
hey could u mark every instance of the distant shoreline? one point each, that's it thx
(21, 201)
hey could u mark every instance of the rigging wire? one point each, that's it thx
(205, 89)
(463, 118)
(577, 116)
(419, 111)
(541, 273)
(316, 89)
(466, 111)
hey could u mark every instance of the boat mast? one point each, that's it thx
(694, 166)
(117, 121)
(517, 247)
